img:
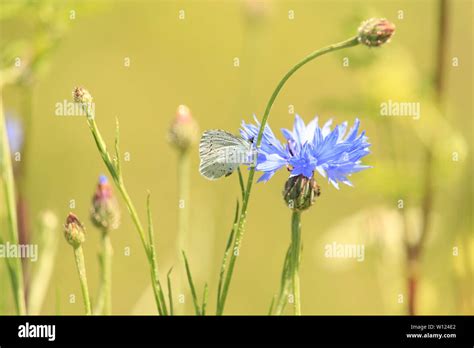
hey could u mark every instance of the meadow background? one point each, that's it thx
(191, 61)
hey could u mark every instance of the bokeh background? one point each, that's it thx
(193, 61)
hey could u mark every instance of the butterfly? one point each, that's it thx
(221, 153)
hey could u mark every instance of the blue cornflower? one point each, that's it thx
(310, 148)
(14, 133)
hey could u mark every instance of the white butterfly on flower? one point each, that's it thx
(221, 153)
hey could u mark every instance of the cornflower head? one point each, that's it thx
(334, 154)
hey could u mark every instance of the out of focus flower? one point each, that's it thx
(331, 153)
(184, 131)
(74, 231)
(105, 212)
(375, 32)
(256, 9)
(15, 133)
(48, 220)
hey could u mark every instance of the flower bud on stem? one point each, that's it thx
(75, 235)
(105, 215)
(114, 168)
(351, 42)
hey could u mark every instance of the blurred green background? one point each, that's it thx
(192, 61)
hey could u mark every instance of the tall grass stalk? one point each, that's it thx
(239, 231)
(6, 174)
(47, 238)
(415, 252)
(114, 167)
(183, 192)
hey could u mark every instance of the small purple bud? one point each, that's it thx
(105, 212)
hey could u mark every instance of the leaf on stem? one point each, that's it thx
(117, 149)
(152, 257)
(204, 299)
(270, 310)
(170, 294)
(191, 285)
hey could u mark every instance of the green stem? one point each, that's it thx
(107, 254)
(81, 269)
(290, 278)
(183, 192)
(6, 174)
(117, 177)
(243, 215)
(295, 259)
(285, 284)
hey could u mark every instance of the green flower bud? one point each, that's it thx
(105, 212)
(375, 32)
(300, 192)
(74, 231)
(184, 131)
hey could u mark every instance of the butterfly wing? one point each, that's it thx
(221, 153)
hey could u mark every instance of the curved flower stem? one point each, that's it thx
(295, 259)
(6, 175)
(243, 214)
(81, 269)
